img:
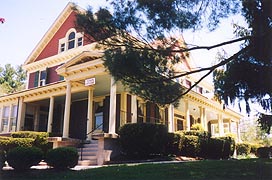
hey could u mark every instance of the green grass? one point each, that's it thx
(250, 169)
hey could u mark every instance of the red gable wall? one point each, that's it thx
(51, 48)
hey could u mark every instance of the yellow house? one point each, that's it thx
(71, 95)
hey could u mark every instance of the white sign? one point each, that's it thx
(89, 82)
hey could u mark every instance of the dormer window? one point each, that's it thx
(72, 40)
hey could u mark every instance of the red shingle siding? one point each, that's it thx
(52, 75)
(31, 80)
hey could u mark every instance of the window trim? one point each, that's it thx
(64, 43)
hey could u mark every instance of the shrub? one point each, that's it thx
(143, 140)
(228, 147)
(173, 146)
(197, 127)
(190, 146)
(2, 159)
(22, 158)
(40, 138)
(254, 148)
(215, 146)
(62, 157)
(264, 152)
(10, 143)
(243, 149)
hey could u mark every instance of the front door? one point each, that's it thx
(78, 119)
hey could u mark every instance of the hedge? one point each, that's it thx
(243, 149)
(143, 140)
(62, 157)
(173, 146)
(264, 152)
(2, 159)
(22, 158)
(190, 146)
(9, 143)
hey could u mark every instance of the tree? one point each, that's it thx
(137, 40)
(11, 79)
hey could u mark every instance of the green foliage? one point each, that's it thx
(2, 159)
(143, 140)
(197, 127)
(141, 70)
(264, 152)
(40, 138)
(265, 121)
(243, 148)
(254, 148)
(190, 146)
(11, 79)
(173, 146)
(9, 143)
(22, 158)
(62, 157)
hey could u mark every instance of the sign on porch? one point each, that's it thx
(89, 82)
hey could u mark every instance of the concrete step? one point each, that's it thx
(87, 162)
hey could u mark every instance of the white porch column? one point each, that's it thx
(9, 118)
(238, 132)
(90, 112)
(220, 125)
(66, 122)
(203, 122)
(187, 116)
(112, 115)
(50, 114)
(134, 109)
(21, 114)
(171, 125)
(205, 126)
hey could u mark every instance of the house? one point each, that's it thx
(70, 94)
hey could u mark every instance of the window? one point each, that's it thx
(40, 78)
(71, 40)
(226, 128)
(13, 117)
(5, 118)
(188, 83)
(62, 47)
(214, 129)
(80, 41)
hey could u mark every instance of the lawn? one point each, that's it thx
(253, 169)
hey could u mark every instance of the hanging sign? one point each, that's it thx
(90, 82)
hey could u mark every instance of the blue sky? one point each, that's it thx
(28, 20)
(26, 23)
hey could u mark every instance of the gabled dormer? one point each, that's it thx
(61, 42)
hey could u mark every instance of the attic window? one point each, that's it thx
(72, 40)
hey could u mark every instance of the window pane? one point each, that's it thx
(71, 36)
(62, 47)
(71, 44)
(79, 41)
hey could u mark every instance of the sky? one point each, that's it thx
(28, 20)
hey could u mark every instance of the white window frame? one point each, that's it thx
(65, 40)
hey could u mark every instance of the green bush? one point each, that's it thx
(143, 140)
(173, 146)
(10, 143)
(215, 147)
(254, 148)
(228, 147)
(264, 152)
(22, 158)
(2, 159)
(190, 146)
(197, 127)
(40, 138)
(62, 157)
(243, 149)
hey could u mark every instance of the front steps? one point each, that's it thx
(88, 153)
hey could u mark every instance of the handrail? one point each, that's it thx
(95, 129)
